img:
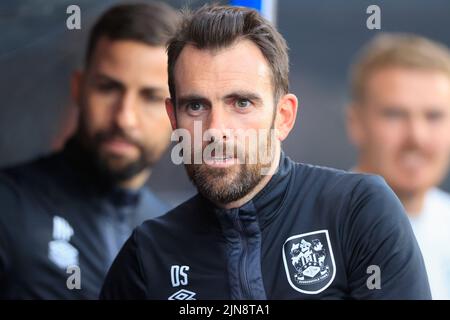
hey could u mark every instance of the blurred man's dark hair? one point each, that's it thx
(151, 23)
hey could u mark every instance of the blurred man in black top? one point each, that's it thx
(68, 214)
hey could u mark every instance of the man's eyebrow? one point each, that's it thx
(104, 77)
(192, 98)
(243, 95)
(150, 90)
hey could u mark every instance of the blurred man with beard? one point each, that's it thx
(261, 226)
(65, 216)
(399, 120)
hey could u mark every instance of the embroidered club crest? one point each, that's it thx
(309, 261)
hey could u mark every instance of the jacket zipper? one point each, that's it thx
(245, 286)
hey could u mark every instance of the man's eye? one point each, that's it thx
(434, 115)
(392, 114)
(106, 87)
(151, 98)
(195, 106)
(243, 103)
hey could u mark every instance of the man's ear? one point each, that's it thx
(354, 124)
(76, 83)
(286, 115)
(170, 109)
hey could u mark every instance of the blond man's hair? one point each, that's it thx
(397, 50)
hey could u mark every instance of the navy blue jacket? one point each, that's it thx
(57, 212)
(311, 233)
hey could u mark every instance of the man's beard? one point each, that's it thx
(226, 185)
(117, 174)
(112, 167)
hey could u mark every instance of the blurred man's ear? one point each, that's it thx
(75, 86)
(170, 109)
(286, 115)
(354, 125)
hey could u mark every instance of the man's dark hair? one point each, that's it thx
(214, 27)
(151, 23)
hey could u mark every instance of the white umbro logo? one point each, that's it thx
(182, 294)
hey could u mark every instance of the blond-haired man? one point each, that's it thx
(399, 120)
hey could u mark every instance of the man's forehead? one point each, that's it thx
(242, 52)
(409, 78)
(408, 84)
(125, 52)
(239, 65)
(130, 61)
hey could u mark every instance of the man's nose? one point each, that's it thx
(126, 113)
(218, 124)
(417, 131)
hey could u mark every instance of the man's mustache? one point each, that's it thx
(421, 151)
(222, 149)
(111, 135)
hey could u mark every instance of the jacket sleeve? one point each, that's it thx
(124, 280)
(385, 260)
